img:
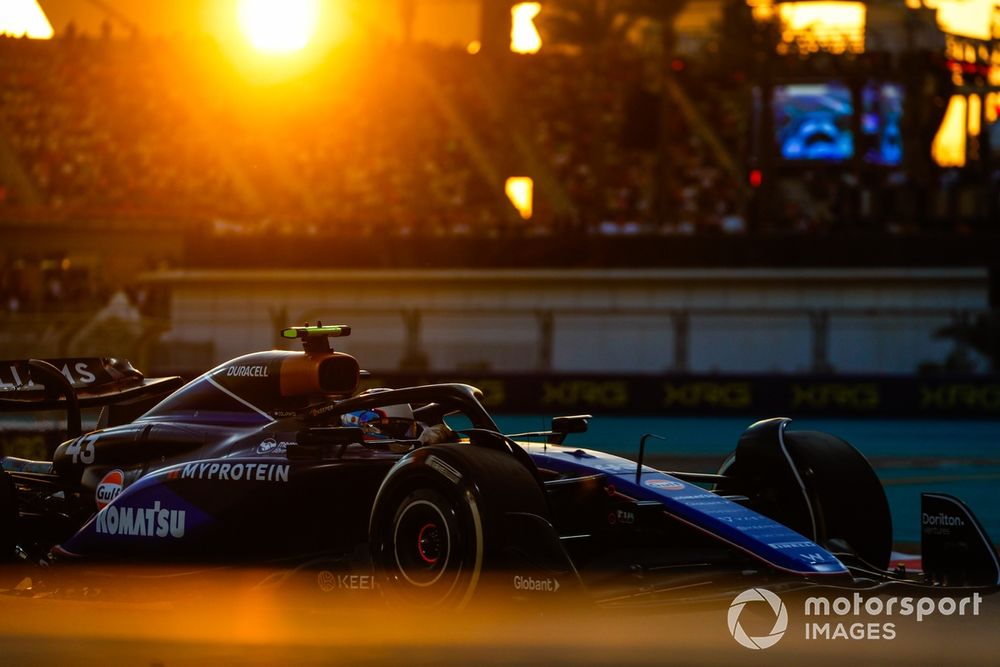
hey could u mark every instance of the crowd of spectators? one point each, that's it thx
(50, 284)
(414, 140)
(29, 284)
(98, 128)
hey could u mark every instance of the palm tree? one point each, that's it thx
(980, 332)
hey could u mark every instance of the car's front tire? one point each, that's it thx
(844, 499)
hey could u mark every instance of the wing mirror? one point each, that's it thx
(563, 426)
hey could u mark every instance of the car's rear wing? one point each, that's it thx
(74, 384)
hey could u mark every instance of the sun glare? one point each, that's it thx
(948, 148)
(278, 26)
(24, 17)
(524, 37)
(970, 18)
(838, 26)
(519, 191)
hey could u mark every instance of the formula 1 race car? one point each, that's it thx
(274, 458)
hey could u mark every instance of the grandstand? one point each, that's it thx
(415, 139)
(654, 138)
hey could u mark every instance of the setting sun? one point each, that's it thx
(278, 26)
(24, 17)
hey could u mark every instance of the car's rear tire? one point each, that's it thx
(429, 547)
(845, 497)
(439, 521)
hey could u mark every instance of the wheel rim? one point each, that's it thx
(429, 543)
(422, 543)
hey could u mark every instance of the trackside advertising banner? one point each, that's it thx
(725, 394)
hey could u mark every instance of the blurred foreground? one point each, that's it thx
(228, 618)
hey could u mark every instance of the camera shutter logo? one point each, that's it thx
(780, 618)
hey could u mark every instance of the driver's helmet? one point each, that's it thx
(389, 421)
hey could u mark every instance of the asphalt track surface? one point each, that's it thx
(223, 619)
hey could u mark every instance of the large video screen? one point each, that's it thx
(882, 109)
(812, 121)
